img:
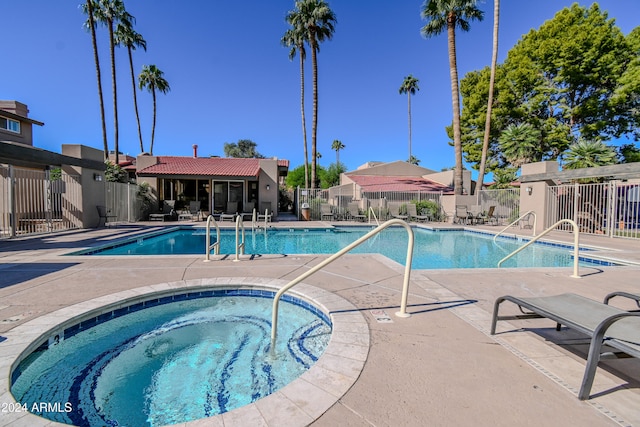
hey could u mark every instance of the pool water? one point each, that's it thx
(172, 363)
(432, 249)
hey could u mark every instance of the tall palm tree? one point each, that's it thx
(317, 18)
(337, 145)
(448, 15)
(109, 13)
(492, 80)
(88, 8)
(152, 79)
(126, 36)
(409, 86)
(294, 38)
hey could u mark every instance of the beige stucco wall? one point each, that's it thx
(268, 176)
(537, 200)
(93, 192)
(446, 178)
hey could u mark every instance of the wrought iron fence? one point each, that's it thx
(33, 201)
(345, 202)
(611, 208)
(503, 203)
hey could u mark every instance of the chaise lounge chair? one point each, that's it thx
(605, 324)
(354, 212)
(412, 212)
(230, 214)
(168, 212)
(325, 212)
(394, 210)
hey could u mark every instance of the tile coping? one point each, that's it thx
(308, 396)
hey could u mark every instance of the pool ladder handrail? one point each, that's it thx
(215, 246)
(375, 231)
(576, 245)
(239, 245)
(535, 221)
(371, 211)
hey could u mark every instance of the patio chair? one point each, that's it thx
(490, 216)
(195, 211)
(247, 211)
(394, 210)
(412, 212)
(230, 214)
(326, 212)
(265, 212)
(462, 215)
(168, 212)
(103, 215)
(603, 323)
(354, 212)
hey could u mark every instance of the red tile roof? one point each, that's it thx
(206, 166)
(398, 183)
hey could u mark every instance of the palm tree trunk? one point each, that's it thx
(99, 77)
(304, 122)
(115, 92)
(492, 79)
(153, 126)
(455, 101)
(135, 98)
(314, 129)
(409, 107)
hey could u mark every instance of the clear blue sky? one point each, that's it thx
(231, 79)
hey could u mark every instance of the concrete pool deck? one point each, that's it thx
(439, 367)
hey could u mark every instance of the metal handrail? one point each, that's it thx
(405, 287)
(239, 246)
(576, 241)
(216, 245)
(535, 221)
(371, 211)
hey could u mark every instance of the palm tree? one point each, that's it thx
(151, 79)
(126, 36)
(337, 145)
(413, 160)
(294, 39)
(317, 18)
(109, 13)
(492, 79)
(449, 15)
(587, 154)
(520, 144)
(87, 8)
(409, 86)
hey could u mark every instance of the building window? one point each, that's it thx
(10, 125)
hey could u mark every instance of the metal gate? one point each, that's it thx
(35, 201)
(611, 209)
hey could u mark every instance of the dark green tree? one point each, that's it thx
(295, 178)
(244, 148)
(629, 153)
(331, 177)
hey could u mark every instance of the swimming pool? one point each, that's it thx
(171, 359)
(433, 249)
